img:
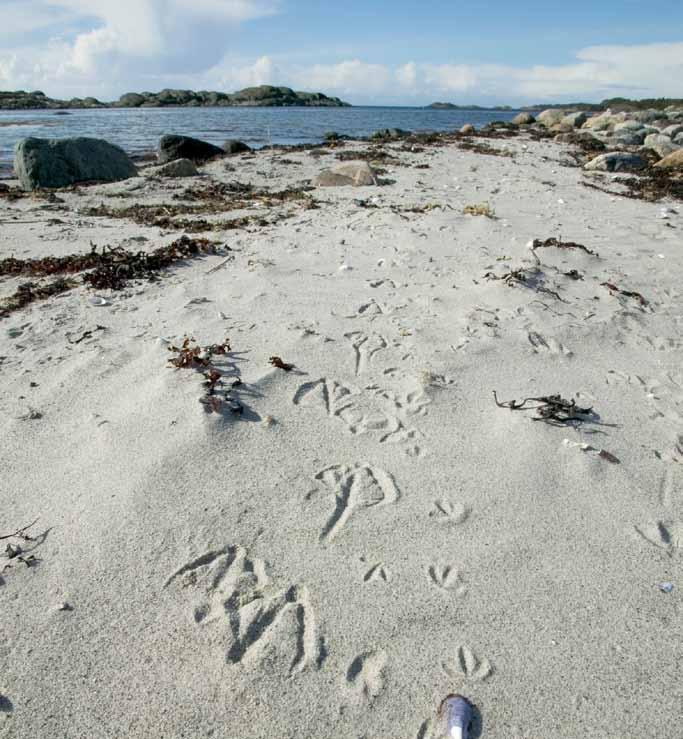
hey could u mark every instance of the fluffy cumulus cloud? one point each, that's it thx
(105, 47)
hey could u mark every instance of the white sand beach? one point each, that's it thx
(372, 531)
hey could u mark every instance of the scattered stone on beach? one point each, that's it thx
(185, 147)
(357, 174)
(673, 130)
(176, 168)
(616, 161)
(52, 163)
(575, 120)
(659, 143)
(605, 121)
(468, 129)
(672, 161)
(233, 146)
(523, 119)
(550, 117)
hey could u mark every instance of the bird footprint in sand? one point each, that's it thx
(446, 512)
(467, 664)
(447, 577)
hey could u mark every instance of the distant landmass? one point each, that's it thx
(453, 106)
(262, 97)
(616, 104)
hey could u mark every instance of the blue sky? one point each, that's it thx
(367, 51)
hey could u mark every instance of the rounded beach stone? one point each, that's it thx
(523, 119)
(354, 173)
(176, 168)
(616, 161)
(575, 120)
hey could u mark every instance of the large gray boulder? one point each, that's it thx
(629, 126)
(185, 147)
(523, 119)
(673, 130)
(63, 162)
(233, 146)
(575, 120)
(661, 144)
(616, 161)
(628, 138)
(550, 117)
(357, 174)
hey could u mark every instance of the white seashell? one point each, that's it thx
(98, 300)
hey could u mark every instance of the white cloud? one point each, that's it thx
(105, 43)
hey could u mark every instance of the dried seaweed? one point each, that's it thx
(483, 148)
(112, 268)
(193, 356)
(627, 293)
(190, 355)
(368, 155)
(527, 278)
(11, 194)
(651, 185)
(20, 533)
(15, 551)
(277, 362)
(166, 217)
(551, 409)
(118, 266)
(30, 292)
(558, 244)
(481, 209)
(86, 334)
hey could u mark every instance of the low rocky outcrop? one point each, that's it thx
(357, 174)
(185, 147)
(53, 163)
(176, 168)
(262, 96)
(233, 146)
(616, 161)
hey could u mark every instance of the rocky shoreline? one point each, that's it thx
(261, 96)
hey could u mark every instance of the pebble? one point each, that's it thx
(666, 587)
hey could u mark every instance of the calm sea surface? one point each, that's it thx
(138, 130)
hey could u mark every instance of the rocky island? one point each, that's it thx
(261, 96)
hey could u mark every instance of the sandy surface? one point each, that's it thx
(373, 532)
